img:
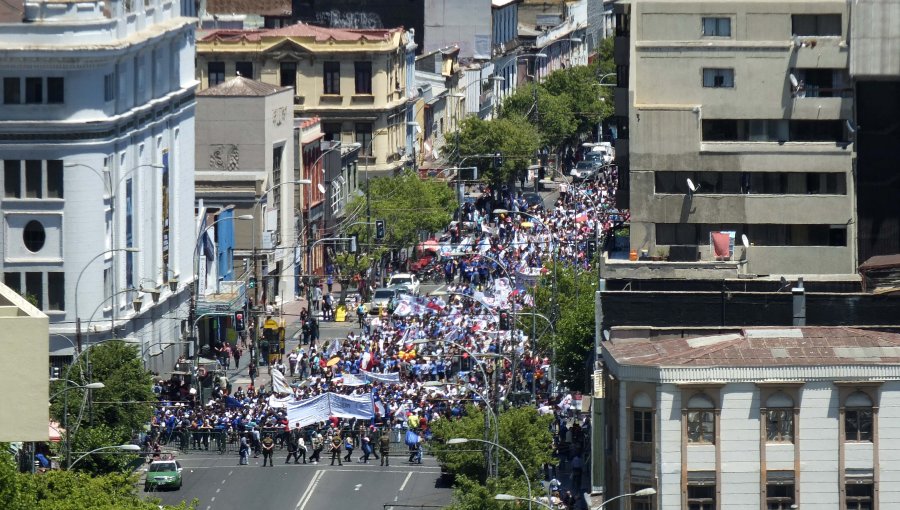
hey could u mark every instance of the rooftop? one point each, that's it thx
(242, 87)
(759, 347)
(303, 31)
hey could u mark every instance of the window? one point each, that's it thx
(717, 27)
(12, 91)
(331, 77)
(780, 419)
(109, 87)
(363, 73)
(642, 433)
(34, 90)
(34, 289)
(55, 90)
(816, 25)
(779, 490)
(244, 69)
(107, 284)
(33, 236)
(364, 138)
(56, 290)
(701, 490)
(700, 420)
(215, 72)
(772, 130)
(860, 495)
(55, 178)
(12, 179)
(332, 131)
(858, 417)
(13, 281)
(34, 186)
(718, 78)
(288, 75)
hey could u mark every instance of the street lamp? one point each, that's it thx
(649, 491)
(463, 440)
(120, 447)
(510, 497)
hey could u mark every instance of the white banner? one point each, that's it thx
(353, 380)
(279, 384)
(280, 403)
(322, 407)
(352, 406)
(392, 377)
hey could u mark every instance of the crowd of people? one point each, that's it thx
(432, 343)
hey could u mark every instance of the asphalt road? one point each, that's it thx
(219, 483)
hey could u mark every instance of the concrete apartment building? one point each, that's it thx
(750, 101)
(753, 419)
(24, 368)
(245, 147)
(353, 80)
(97, 149)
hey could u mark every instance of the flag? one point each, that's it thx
(279, 385)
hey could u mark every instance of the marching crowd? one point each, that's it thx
(426, 339)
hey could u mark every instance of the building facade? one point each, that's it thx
(97, 144)
(353, 80)
(244, 155)
(753, 419)
(733, 118)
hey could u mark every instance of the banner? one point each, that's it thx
(280, 402)
(279, 384)
(393, 377)
(320, 408)
(353, 380)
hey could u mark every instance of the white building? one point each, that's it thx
(754, 419)
(97, 149)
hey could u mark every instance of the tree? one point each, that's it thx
(574, 339)
(590, 102)
(70, 490)
(511, 136)
(552, 114)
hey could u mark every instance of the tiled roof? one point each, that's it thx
(241, 87)
(303, 30)
(808, 346)
(260, 7)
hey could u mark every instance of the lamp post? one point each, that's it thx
(649, 491)
(78, 283)
(65, 392)
(463, 440)
(120, 447)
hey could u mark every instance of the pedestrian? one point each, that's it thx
(252, 371)
(317, 298)
(384, 444)
(244, 450)
(318, 444)
(367, 450)
(336, 450)
(236, 354)
(348, 445)
(268, 448)
(292, 362)
(326, 308)
(292, 446)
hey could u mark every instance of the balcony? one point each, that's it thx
(642, 452)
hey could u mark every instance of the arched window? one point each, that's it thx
(701, 419)
(780, 418)
(858, 417)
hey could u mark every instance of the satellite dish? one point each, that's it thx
(321, 188)
(794, 81)
(745, 241)
(691, 185)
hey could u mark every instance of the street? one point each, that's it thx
(219, 483)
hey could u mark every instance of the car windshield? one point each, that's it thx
(384, 294)
(401, 281)
(162, 466)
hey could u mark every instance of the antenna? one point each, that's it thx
(794, 81)
(745, 241)
(321, 188)
(691, 186)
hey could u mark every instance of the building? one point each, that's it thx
(244, 158)
(97, 144)
(24, 368)
(557, 35)
(732, 120)
(753, 419)
(353, 80)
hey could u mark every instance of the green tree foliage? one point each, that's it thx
(69, 490)
(408, 204)
(589, 101)
(512, 136)
(551, 113)
(574, 322)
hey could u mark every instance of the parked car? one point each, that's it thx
(585, 170)
(409, 280)
(163, 474)
(382, 298)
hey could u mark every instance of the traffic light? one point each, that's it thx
(498, 160)
(252, 282)
(379, 229)
(239, 321)
(504, 320)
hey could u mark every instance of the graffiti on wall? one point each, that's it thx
(349, 19)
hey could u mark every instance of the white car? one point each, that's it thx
(406, 279)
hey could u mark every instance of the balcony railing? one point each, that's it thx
(642, 452)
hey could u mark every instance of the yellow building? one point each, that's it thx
(354, 80)
(24, 370)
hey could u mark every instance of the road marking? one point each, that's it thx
(357, 486)
(229, 473)
(223, 482)
(307, 494)
(220, 490)
(408, 476)
(213, 499)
